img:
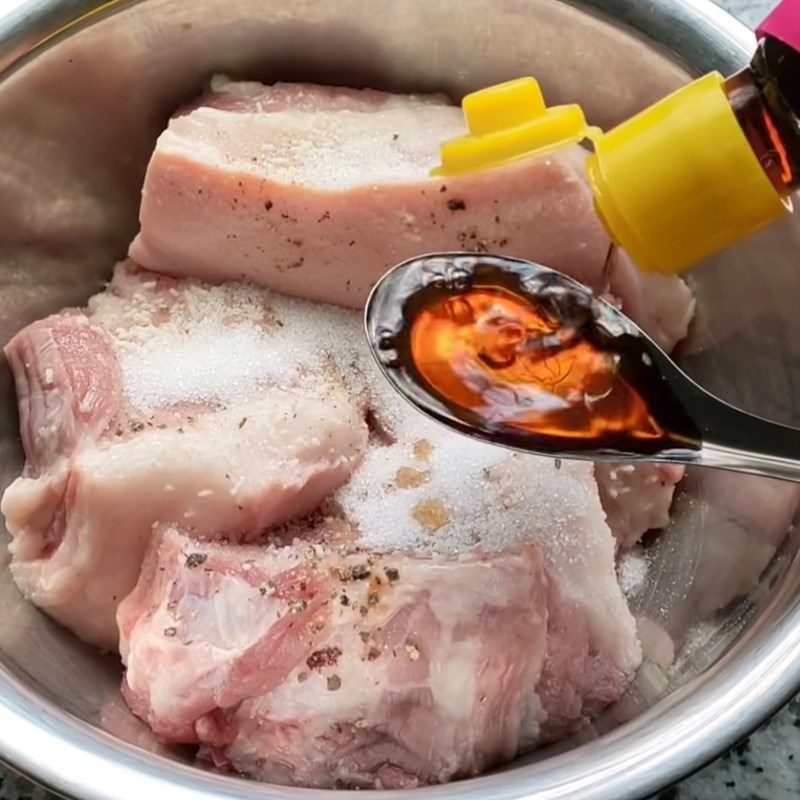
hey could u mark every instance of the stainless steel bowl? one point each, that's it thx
(86, 88)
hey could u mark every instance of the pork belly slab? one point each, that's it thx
(299, 665)
(316, 191)
(161, 402)
(303, 665)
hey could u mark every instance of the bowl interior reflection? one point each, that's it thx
(77, 124)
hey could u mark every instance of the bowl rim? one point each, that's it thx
(40, 739)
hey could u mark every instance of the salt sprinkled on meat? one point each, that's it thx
(217, 343)
(426, 488)
(319, 148)
(437, 491)
(632, 573)
(207, 365)
(397, 499)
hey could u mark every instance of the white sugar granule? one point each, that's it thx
(476, 495)
(199, 344)
(420, 486)
(208, 364)
(326, 149)
(632, 573)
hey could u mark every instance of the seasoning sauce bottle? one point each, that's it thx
(693, 174)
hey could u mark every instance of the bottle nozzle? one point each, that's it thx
(511, 121)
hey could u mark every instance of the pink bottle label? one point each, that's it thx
(783, 23)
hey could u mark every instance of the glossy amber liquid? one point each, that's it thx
(520, 355)
(517, 365)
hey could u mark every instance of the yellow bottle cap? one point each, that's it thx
(680, 182)
(507, 122)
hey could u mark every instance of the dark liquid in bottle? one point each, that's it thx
(766, 99)
(532, 359)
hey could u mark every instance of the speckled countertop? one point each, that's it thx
(764, 767)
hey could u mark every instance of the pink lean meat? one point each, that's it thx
(163, 401)
(299, 665)
(316, 191)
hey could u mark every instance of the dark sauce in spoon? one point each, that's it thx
(524, 356)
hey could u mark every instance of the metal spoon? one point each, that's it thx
(684, 423)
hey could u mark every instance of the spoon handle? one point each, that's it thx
(739, 460)
(729, 436)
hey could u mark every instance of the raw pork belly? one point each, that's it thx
(505, 560)
(332, 590)
(387, 692)
(164, 402)
(316, 191)
(376, 668)
(299, 665)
